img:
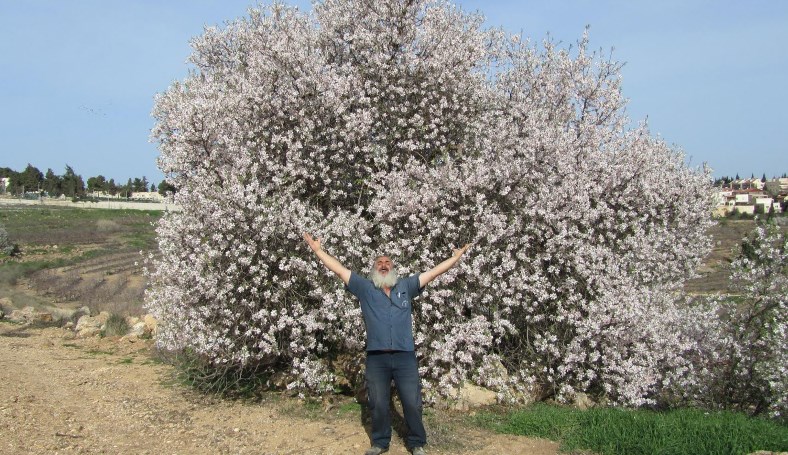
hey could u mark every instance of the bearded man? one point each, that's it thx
(386, 304)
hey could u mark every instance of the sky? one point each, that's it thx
(78, 77)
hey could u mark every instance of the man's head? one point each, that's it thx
(382, 273)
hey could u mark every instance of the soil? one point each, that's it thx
(62, 394)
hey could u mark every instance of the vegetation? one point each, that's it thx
(70, 254)
(116, 326)
(31, 181)
(88, 240)
(612, 431)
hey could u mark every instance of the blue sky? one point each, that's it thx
(78, 77)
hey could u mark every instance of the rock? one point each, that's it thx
(88, 332)
(88, 326)
(6, 305)
(131, 338)
(29, 314)
(472, 396)
(151, 323)
(42, 316)
(140, 329)
(582, 401)
(17, 316)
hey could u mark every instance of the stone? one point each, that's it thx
(582, 401)
(140, 329)
(88, 326)
(130, 338)
(151, 323)
(29, 314)
(6, 305)
(88, 332)
(472, 396)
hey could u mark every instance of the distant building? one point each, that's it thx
(747, 184)
(777, 186)
(152, 196)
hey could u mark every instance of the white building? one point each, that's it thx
(152, 196)
(777, 186)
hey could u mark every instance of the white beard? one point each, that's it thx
(383, 281)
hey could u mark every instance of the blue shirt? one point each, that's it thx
(387, 319)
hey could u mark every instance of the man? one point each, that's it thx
(386, 308)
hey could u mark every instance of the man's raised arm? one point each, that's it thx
(329, 261)
(441, 268)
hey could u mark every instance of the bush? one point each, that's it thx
(365, 125)
(116, 326)
(744, 343)
(7, 248)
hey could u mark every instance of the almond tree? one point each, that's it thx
(745, 347)
(395, 127)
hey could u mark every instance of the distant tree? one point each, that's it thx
(6, 172)
(737, 176)
(98, 183)
(166, 188)
(112, 188)
(53, 184)
(73, 185)
(763, 179)
(127, 188)
(152, 188)
(29, 180)
(139, 185)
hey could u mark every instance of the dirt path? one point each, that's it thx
(59, 394)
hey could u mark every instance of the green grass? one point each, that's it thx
(69, 226)
(350, 407)
(608, 431)
(98, 352)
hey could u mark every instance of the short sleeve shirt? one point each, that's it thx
(388, 320)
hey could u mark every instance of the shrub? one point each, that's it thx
(116, 326)
(744, 341)
(406, 129)
(7, 248)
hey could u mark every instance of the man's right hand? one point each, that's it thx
(329, 261)
(314, 244)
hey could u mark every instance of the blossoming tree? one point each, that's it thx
(744, 344)
(396, 127)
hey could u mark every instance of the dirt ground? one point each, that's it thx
(61, 394)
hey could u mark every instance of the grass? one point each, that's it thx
(608, 431)
(73, 254)
(98, 352)
(66, 226)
